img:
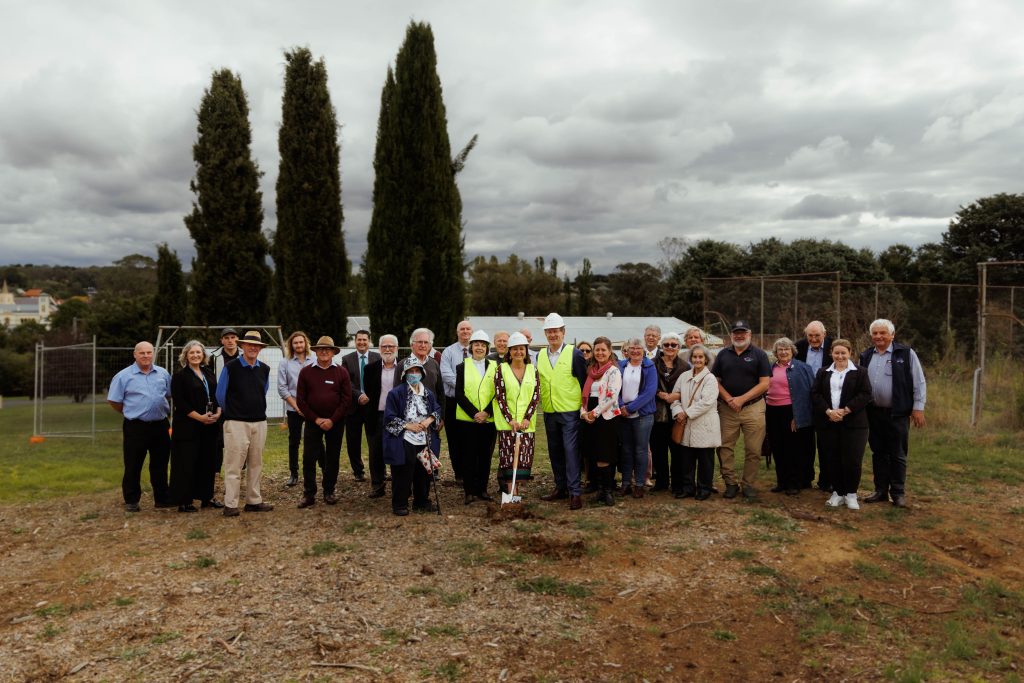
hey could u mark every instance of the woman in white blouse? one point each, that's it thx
(697, 410)
(840, 394)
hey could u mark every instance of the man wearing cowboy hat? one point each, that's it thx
(324, 395)
(242, 392)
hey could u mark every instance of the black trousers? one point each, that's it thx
(356, 422)
(668, 473)
(810, 446)
(295, 426)
(888, 438)
(787, 446)
(410, 475)
(477, 450)
(323, 448)
(139, 438)
(375, 446)
(193, 456)
(842, 455)
(453, 427)
(699, 461)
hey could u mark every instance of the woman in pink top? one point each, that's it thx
(788, 410)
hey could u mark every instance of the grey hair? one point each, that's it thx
(183, 356)
(652, 328)
(784, 342)
(708, 356)
(670, 335)
(883, 322)
(693, 329)
(421, 330)
(633, 341)
(816, 323)
(387, 336)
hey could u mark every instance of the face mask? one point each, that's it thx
(412, 379)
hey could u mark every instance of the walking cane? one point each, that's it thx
(510, 497)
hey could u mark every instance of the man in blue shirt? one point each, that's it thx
(140, 393)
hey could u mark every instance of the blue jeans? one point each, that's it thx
(562, 430)
(636, 437)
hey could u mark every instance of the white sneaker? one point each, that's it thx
(851, 501)
(835, 501)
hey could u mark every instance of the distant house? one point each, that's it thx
(34, 305)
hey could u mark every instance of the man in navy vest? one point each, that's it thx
(242, 392)
(898, 390)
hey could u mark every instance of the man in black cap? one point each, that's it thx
(743, 373)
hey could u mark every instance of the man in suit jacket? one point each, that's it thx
(815, 350)
(361, 413)
(379, 377)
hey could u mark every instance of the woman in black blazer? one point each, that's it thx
(840, 394)
(195, 433)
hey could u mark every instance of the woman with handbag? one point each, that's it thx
(697, 429)
(195, 437)
(601, 422)
(669, 367)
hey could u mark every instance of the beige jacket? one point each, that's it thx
(703, 430)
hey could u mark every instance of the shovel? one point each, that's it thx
(509, 497)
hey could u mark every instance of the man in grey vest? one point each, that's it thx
(898, 391)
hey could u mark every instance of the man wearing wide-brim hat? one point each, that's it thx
(242, 393)
(324, 395)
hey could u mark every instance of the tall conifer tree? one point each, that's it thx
(170, 304)
(414, 267)
(311, 268)
(230, 275)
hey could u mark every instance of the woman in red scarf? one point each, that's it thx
(599, 433)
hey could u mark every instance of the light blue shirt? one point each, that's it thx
(451, 359)
(880, 374)
(816, 357)
(288, 378)
(142, 395)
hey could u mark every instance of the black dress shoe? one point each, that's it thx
(876, 497)
(212, 503)
(306, 502)
(684, 494)
(131, 507)
(330, 498)
(557, 494)
(428, 507)
(591, 487)
(827, 488)
(703, 495)
(292, 480)
(899, 501)
(485, 497)
(778, 489)
(792, 492)
(377, 492)
(401, 512)
(258, 507)
(731, 491)
(359, 477)
(230, 512)
(187, 508)
(163, 505)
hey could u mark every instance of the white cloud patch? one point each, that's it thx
(824, 157)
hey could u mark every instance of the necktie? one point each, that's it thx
(362, 366)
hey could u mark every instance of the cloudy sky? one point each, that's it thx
(604, 126)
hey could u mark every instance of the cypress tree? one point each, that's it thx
(170, 304)
(584, 294)
(416, 229)
(230, 276)
(311, 268)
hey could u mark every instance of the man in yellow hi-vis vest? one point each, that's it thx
(563, 372)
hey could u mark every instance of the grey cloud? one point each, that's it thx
(822, 206)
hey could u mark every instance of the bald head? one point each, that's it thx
(144, 355)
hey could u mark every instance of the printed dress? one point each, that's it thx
(507, 397)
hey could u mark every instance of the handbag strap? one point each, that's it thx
(695, 390)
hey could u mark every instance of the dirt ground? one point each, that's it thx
(656, 589)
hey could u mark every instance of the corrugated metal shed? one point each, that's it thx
(578, 328)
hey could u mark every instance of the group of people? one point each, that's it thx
(657, 416)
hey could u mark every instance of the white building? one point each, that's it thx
(15, 310)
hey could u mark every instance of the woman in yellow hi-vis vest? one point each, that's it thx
(474, 392)
(516, 397)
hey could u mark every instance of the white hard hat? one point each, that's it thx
(553, 321)
(517, 339)
(480, 335)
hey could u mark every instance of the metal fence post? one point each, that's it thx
(94, 388)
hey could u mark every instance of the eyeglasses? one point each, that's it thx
(388, 346)
(670, 346)
(585, 350)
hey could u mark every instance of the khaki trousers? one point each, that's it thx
(750, 421)
(243, 443)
